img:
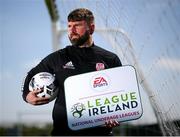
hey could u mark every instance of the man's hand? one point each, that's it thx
(33, 99)
(111, 123)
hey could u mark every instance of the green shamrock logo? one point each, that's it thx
(77, 110)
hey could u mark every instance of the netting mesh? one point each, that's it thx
(144, 34)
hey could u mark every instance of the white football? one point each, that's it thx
(46, 82)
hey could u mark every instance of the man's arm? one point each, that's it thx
(31, 96)
(116, 62)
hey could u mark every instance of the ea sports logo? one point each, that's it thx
(100, 82)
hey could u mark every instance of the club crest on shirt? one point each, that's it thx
(100, 66)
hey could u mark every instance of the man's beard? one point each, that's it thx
(80, 40)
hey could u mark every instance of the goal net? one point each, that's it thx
(144, 34)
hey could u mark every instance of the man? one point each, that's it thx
(81, 57)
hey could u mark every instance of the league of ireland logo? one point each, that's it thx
(77, 110)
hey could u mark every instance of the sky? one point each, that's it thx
(26, 38)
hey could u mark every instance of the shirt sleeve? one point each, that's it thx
(116, 62)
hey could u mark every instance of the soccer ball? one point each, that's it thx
(46, 82)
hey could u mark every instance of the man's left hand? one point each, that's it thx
(111, 123)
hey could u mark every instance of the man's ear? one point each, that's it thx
(91, 28)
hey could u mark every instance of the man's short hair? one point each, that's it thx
(81, 14)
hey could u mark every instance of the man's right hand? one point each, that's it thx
(33, 99)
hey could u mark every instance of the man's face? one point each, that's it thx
(78, 32)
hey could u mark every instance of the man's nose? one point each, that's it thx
(73, 29)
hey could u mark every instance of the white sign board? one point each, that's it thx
(95, 97)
